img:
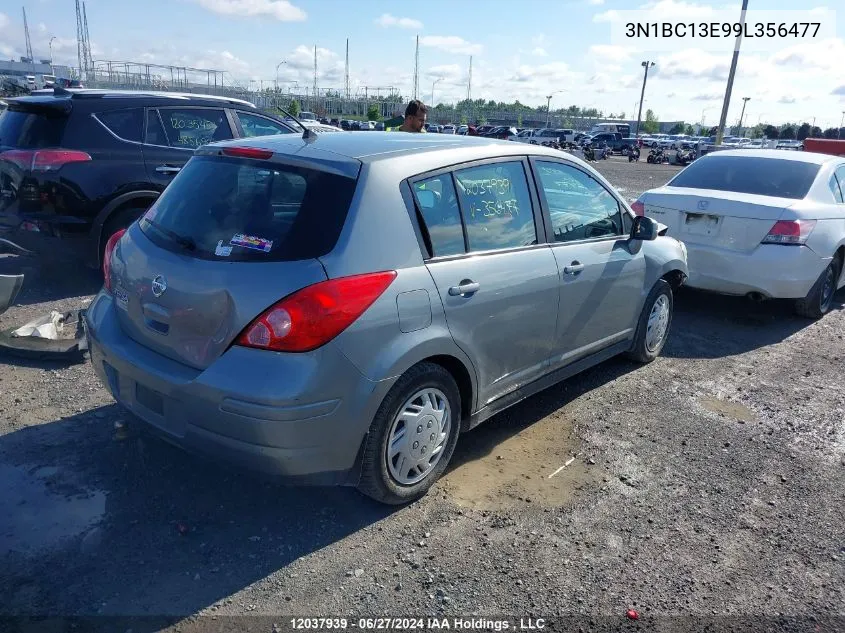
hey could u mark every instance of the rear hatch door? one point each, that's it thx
(226, 240)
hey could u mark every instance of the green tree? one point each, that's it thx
(831, 132)
(816, 132)
(678, 128)
(373, 112)
(770, 131)
(689, 130)
(651, 125)
(803, 131)
(294, 108)
(788, 132)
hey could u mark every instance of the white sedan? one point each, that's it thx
(762, 223)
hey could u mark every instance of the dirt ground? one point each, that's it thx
(707, 486)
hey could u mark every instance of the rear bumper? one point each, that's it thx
(301, 417)
(775, 271)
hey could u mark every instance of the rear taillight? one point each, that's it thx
(110, 246)
(44, 159)
(638, 207)
(790, 232)
(247, 152)
(313, 316)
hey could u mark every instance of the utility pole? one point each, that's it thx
(727, 102)
(548, 109)
(841, 121)
(417, 69)
(434, 83)
(646, 64)
(346, 85)
(745, 100)
(315, 77)
(28, 41)
(469, 80)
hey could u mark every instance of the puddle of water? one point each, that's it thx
(38, 510)
(501, 467)
(730, 409)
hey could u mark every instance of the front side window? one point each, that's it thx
(190, 128)
(254, 125)
(438, 204)
(579, 206)
(496, 206)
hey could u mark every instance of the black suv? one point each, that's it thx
(79, 165)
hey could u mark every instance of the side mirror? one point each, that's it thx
(644, 228)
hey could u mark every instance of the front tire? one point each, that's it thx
(412, 436)
(654, 323)
(819, 300)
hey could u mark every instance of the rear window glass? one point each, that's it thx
(760, 176)
(126, 124)
(244, 210)
(31, 130)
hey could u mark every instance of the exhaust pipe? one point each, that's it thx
(756, 297)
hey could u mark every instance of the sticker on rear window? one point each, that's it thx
(222, 251)
(250, 241)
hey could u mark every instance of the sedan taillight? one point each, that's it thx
(790, 232)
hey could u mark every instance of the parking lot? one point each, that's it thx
(706, 483)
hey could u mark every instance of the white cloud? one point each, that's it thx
(281, 10)
(538, 40)
(610, 52)
(4, 20)
(596, 2)
(607, 16)
(540, 52)
(451, 44)
(406, 23)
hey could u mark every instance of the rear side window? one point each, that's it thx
(126, 124)
(192, 127)
(438, 204)
(760, 176)
(835, 188)
(496, 206)
(254, 125)
(31, 130)
(244, 210)
(155, 131)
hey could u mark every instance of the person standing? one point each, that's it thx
(415, 117)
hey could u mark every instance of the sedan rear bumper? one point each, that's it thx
(301, 417)
(774, 271)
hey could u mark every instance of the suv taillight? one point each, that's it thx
(44, 159)
(110, 246)
(792, 232)
(313, 316)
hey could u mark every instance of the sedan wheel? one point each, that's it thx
(658, 323)
(819, 300)
(418, 436)
(654, 323)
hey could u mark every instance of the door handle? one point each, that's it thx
(573, 268)
(168, 169)
(466, 287)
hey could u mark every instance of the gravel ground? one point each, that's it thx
(708, 483)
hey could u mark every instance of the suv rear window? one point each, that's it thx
(247, 210)
(125, 124)
(31, 130)
(759, 176)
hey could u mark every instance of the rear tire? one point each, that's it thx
(381, 468)
(654, 324)
(819, 300)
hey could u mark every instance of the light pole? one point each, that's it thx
(646, 64)
(434, 83)
(727, 102)
(52, 70)
(841, 121)
(277, 73)
(548, 106)
(745, 100)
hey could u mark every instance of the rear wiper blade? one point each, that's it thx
(185, 242)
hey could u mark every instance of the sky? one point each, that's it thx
(524, 50)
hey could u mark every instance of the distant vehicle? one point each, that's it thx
(763, 223)
(307, 116)
(614, 128)
(367, 125)
(523, 136)
(501, 132)
(463, 129)
(76, 166)
(250, 316)
(448, 129)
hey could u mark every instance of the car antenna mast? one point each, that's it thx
(307, 133)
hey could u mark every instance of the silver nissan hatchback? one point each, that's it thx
(339, 309)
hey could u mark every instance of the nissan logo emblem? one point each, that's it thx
(702, 205)
(159, 285)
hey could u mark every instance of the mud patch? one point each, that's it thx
(502, 465)
(727, 408)
(39, 509)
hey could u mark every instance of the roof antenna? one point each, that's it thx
(308, 135)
